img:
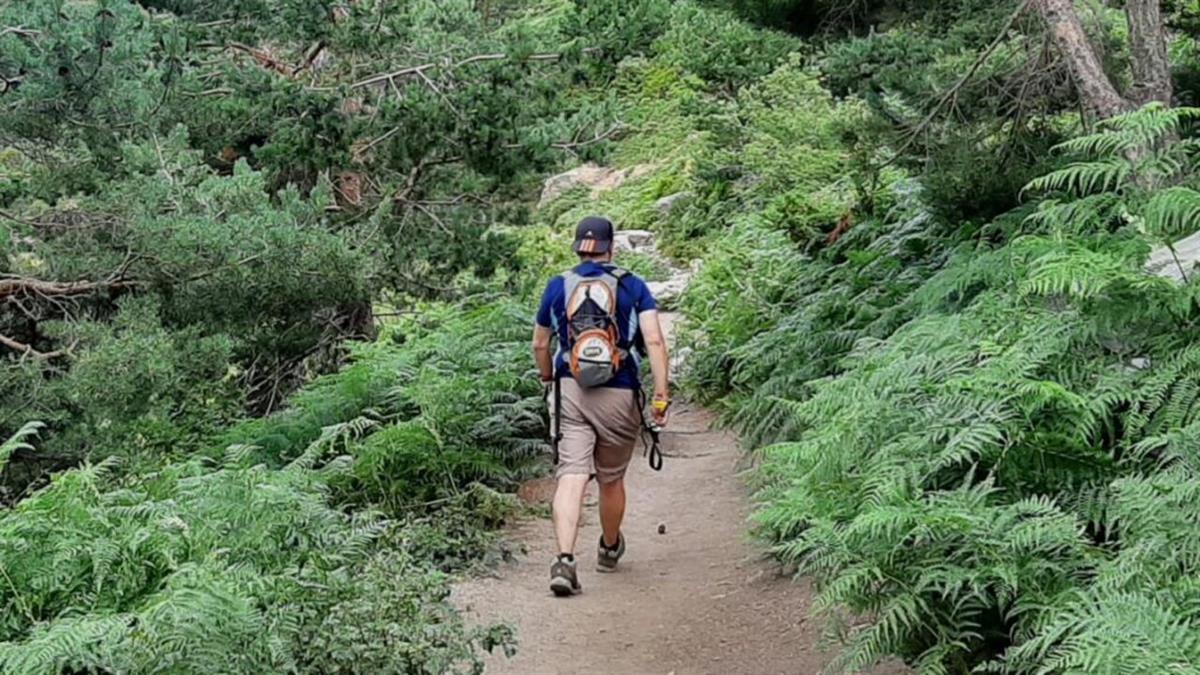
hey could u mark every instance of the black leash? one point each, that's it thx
(651, 442)
(556, 435)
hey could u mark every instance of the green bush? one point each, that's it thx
(247, 560)
(719, 49)
(990, 460)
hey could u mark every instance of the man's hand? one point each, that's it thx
(660, 408)
(660, 364)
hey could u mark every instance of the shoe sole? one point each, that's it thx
(605, 570)
(562, 587)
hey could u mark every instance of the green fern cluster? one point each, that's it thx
(988, 451)
(271, 552)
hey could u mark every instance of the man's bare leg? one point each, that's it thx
(568, 503)
(612, 510)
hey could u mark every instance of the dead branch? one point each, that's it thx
(16, 219)
(265, 59)
(414, 176)
(14, 286)
(432, 216)
(951, 93)
(310, 57)
(478, 58)
(19, 31)
(615, 131)
(29, 351)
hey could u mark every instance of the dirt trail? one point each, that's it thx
(700, 598)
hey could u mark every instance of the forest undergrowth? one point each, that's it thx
(267, 271)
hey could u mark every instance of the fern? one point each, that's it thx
(988, 452)
(17, 442)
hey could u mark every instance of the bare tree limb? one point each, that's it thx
(478, 58)
(28, 350)
(8, 216)
(19, 31)
(433, 216)
(616, 130)
(11, 285)
(952, 93)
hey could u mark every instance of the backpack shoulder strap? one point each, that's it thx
(571, 280)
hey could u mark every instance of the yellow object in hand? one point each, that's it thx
(661, 406)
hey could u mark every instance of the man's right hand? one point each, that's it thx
(660, 408)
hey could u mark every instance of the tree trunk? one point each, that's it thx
(1148, 45)
(1095, 89)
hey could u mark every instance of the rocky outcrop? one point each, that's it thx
(634, 240)
(1164, 264)
(598, 179)
(669, 203)
(670, 291)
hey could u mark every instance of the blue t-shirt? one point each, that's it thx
(633, 298)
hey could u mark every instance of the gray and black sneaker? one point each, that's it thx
(607, 558)
(563, 579)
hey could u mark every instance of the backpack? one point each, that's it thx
(593, 339)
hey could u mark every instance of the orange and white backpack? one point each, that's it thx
(595, 354)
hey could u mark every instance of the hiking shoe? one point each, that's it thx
(607, 558)
(563, 579)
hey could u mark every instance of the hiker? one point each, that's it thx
(606, 320)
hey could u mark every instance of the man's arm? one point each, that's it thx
(660, 359)
(541, 352)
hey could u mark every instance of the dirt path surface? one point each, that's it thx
(700, 598)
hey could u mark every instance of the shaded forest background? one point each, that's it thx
(267, 270)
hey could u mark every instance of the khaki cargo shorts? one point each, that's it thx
(599, 431)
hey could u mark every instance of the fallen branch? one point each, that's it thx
(951, 93)
(16, 219)
(414, 176)
(19, 31)
(12, 286)
(29, 351)
(265, 59)
(478, 58)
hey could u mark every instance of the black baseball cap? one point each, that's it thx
(594, 235)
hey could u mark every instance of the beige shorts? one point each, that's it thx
(599, 431)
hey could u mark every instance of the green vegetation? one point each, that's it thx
(267, 269)
(971, 405)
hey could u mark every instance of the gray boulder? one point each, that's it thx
(633, 240)
(669, 203)
(1163, 262)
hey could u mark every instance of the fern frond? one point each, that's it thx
(17, 441)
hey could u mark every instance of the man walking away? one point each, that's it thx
(605, 319)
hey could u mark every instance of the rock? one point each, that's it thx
(668, 292)
(679, 359)
(662, 528)
(1162, 260)
(633, 240)
(668, 203)
(557, 186)
(599, 179)
(539, 491)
